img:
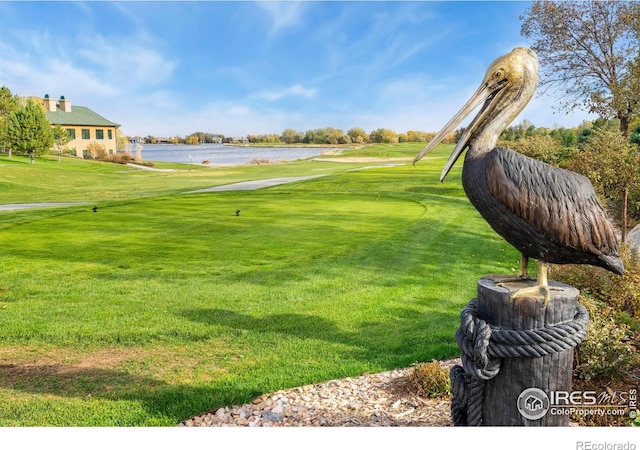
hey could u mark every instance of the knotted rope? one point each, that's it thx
(484, 346)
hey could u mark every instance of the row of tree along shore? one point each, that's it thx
(334, 136)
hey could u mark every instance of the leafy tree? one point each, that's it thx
(419, 136)
(121, 139)
(605, 124)
(589, 52)
(263, 138)
(635, 137)
(8, 104)
(332, 135)
(192, 139)
(60, 139)
(318, 136)
(543, 148)
(584, 137)
(357, 135)
(30, 131)
(290, 136)
(611, 162)
(199, 137)
(344, 139)
(383, 135)
(564, 136)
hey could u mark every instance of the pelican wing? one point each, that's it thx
(558, 203)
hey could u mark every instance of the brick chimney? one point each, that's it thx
(65, 104)
(49, 103)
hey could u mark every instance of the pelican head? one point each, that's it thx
(506, 89)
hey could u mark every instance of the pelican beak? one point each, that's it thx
(482, 94)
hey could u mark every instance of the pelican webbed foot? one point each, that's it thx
(520, 285)
(537, 291)
(523, 274)
(541, 290)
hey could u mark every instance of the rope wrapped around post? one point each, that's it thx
(484, 346)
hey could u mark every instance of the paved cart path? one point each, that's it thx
(14, 206)
(256, 184)
(259, 184)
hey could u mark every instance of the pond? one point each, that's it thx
(218, 154)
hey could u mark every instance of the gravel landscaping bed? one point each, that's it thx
(382, 399)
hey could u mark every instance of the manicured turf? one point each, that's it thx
(163, 305)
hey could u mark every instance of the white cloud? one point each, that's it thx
(283, 14)
(51, 76)
(297, 90)
(92, 64)
(128, 62)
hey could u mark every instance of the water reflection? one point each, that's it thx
(223, 154)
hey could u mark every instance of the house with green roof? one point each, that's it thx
(83, 125)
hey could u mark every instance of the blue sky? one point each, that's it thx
(172, 68)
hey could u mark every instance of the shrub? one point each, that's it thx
(607, 357)
(543, 148)
(260, 162)
(607, 352)
(613, 301)
(621, 293)
(97, 151)
(431, 380)
(122, 158)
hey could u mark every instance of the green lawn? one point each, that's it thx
(163, 305)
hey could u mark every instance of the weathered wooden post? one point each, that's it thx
(515, 353)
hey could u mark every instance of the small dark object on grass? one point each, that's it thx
(237, 212)
(95, 209)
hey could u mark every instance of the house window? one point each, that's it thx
(99, 134)
(85, 154)
(85, 133)
(109, 134)
(72, 133)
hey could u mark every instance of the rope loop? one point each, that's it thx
(484, 346)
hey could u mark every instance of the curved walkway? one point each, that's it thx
(14, 206)
(256, 184)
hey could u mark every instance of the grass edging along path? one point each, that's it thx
(162, 306)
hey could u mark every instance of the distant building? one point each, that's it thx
(239, 140)
(83, 125)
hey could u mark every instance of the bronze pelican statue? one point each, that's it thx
(549, 214)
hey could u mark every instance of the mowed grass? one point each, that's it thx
(164, 305)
